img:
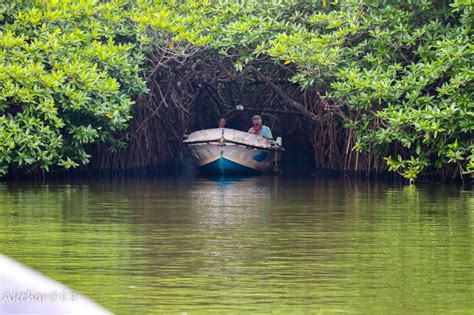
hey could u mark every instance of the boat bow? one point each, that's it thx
(225, 151)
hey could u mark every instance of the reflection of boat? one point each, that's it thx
(229, 151)
(231, 201)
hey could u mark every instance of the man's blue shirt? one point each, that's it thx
(264, 132)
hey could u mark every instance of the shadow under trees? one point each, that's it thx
(190, 91)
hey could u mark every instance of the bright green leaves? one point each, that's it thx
(415, 77)
(402, 71)
(408, 168)
(83, 134)
(67, 163)
(64, 66)
(28, 142)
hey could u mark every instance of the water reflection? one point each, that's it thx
(255, 244)
(236, 201)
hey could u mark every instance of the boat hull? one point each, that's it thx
(224, 166)
(232, 152)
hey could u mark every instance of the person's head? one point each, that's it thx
(221, 122)
(256, 121)
(239, 110)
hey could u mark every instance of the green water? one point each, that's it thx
(256, 245)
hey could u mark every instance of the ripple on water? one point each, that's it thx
(259, 244)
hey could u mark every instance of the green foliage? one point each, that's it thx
(68, 70)
(412, 74)
(400, 72)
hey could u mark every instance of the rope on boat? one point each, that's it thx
(222, 139)
(275, 167)
(221, 163)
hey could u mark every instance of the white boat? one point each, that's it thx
(232, 152)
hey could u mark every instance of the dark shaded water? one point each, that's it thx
(259, 244)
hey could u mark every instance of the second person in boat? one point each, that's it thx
(221, 122)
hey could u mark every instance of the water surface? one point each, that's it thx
(255, 245)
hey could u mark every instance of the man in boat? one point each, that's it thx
(259, 129)
(221, 122)
(237, 120)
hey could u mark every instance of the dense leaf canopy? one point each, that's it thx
(66, 80)
(399, 74)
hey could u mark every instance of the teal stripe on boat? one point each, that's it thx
(224, 166)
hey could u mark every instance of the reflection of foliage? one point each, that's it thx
(296, 245)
